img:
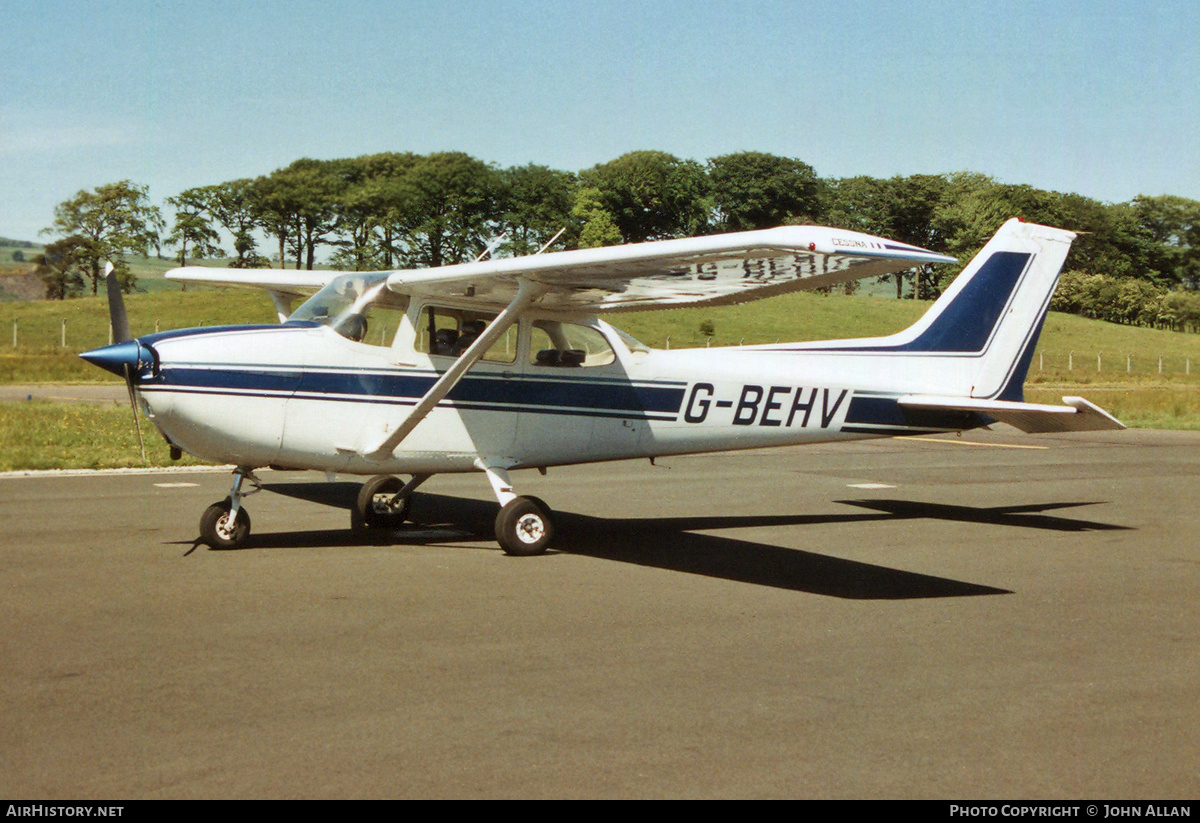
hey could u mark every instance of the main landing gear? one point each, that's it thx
(384, 502)
(523, 525)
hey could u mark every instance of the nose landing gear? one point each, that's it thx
(226, 525)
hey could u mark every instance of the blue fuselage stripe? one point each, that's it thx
(886, 412)
(515, 393)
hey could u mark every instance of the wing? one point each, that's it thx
(714, 270)
(291, 282)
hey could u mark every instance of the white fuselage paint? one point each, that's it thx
(308, 398)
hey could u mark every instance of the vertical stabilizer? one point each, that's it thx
(988, 321)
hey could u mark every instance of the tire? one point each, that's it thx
(372, 508)
(524, 527)
(216, 531)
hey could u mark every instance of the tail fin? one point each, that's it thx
(993, 312)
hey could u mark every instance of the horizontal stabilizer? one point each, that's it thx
(1033, 418)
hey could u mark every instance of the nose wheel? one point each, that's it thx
(226, 525)
(220, 530)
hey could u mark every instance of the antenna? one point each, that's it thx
(550, 242)
(492, 246)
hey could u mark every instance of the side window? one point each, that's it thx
(553, 344)
(450, 332)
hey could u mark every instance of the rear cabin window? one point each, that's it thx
(553, 344)
(450, 332)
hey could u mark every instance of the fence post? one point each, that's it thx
(14, 332)
(1160, 357)
(1071, 361)
(63, 344)
(1098, 355)
(1129, 363)
(1041, 361)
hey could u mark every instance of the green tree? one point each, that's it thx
(536, 203)
(234, 207)
(357, 213)
(193, 227)
(381, 197)
(752, 190)
(651, 195)
(1172, 225)
(909, 209)
(114, 220)
(447, 210)
(298, 205)
(59, 267)
(596, 225)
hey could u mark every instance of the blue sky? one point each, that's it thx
(1099, 98)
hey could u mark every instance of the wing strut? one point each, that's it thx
(527, 293)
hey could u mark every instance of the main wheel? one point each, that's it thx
(377, 506)
(217, 531)
(523, 527)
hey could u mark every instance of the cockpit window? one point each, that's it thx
(567, 345)
(359, 307)
(450, 332)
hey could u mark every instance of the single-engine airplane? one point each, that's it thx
(506, 364)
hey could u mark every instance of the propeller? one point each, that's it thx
(116, 306)
(120, 332)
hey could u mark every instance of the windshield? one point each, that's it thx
(345, 303)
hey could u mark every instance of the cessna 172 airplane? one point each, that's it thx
(506, 364)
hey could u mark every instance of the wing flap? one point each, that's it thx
(1032, 418)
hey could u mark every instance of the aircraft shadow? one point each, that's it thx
(1028, 516)
(675, 543)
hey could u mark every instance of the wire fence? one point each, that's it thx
(1114, 363)
(70, 334)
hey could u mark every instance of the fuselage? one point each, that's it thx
(304, 396)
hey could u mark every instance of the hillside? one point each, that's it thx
(1068, 351)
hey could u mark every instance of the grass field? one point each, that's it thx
(1117, 367)
(38, 435)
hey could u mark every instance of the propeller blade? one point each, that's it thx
(116, 306)
(133, 405)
